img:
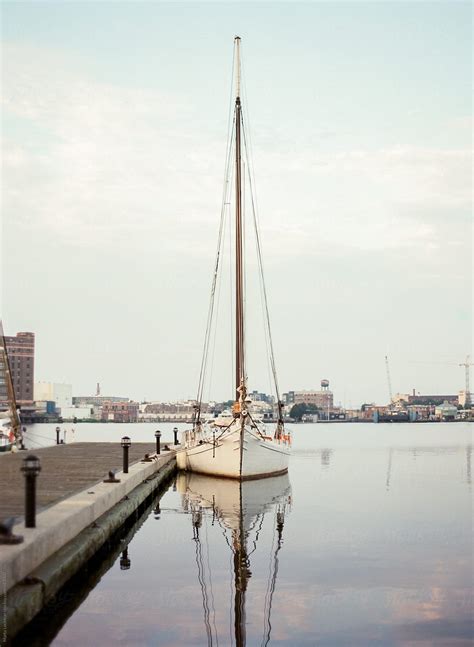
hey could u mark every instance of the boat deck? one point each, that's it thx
(65, 470)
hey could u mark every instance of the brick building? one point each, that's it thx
(421, 399)
(21, 358)
(3, 380)
(120, 411)
(321, 399)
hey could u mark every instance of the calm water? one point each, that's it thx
(368, 542)
(43, 435)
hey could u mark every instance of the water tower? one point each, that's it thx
(326, 397)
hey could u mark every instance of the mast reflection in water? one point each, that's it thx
(240, 509)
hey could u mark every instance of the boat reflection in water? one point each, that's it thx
(239, 507)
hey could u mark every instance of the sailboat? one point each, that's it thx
(10, 427)
(239, 509)
(236, 444)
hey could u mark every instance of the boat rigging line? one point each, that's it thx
(260, 265)
(197, 523)
(279, 517)
(213, 606)
(247, 131)
(214, 283)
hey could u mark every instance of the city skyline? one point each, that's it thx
(114, 119)
(323, 387)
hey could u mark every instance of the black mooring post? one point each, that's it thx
(125, 560)
(175, 431)
(125, 460)
(31, 468)
(158, 437)
(126, 442)
(58, 429)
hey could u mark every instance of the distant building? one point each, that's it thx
(21, 358)
(44, 409)
(425, 399)
(433, 399)
(321, 399)
(96, 400)
(421, 411)
(464, 399)
(60, 394)
(182, 407)
(255, 396)
(358, 414)
(446, 411)
(183, 410)
(120, 411)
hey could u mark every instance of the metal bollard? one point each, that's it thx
(22, 439)
(111, 478)
(31, 468)
(58, 430)
(175, 431)
(158, 436)
(6, 532)
(126, 442)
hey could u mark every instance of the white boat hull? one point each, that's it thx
(258, 458)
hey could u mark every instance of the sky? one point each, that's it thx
(114, 126)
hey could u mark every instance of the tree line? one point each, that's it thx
(297, 411)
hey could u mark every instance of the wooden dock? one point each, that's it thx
(77, 513)
(65, 470)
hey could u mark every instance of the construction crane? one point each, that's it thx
(467, 364)
(389, 380)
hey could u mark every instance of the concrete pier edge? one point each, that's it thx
(32, 591)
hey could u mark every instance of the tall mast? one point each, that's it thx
(5, 367)
(239, 308)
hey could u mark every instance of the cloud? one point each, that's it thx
(112, 160)
(100, 164)
(403, 197)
